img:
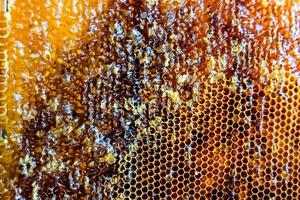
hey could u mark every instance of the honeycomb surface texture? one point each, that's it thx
(150, 99)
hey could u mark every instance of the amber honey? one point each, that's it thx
(150, 99)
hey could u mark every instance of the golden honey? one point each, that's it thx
(150, 99)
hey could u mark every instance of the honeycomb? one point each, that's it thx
(150, 99)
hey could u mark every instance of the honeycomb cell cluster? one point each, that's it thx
(150, 99)
(226, 144)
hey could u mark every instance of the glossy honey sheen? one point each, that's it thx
(151, 100)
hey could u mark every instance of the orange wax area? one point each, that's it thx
(150, 99)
